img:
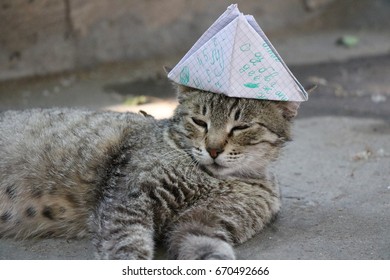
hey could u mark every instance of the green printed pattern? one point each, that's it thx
(185, 75)
(262, 77)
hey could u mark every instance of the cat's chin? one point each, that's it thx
(219, 171)
(223, 172)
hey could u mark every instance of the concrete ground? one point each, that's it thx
(335, 175)
(335, 180)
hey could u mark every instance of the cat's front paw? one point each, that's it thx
(205, 248)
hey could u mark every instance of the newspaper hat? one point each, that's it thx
(234, 57)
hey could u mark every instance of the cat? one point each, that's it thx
(198, 181)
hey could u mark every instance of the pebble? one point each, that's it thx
(378, 98)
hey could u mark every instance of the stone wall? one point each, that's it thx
(38, 37)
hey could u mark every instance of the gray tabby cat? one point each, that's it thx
(197, 181)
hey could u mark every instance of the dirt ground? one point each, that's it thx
(335, 175)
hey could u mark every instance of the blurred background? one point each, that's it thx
(111, 53)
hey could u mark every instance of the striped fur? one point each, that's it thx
(197, 181)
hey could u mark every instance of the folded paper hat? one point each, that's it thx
(234, 57)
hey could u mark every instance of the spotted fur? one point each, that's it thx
(197, 181)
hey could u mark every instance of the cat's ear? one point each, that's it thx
(311, 88)
(167, 69)
(183, 92)
(289, 109)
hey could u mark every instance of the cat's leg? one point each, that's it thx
(122, 228)
(229, 216)
(197, 236)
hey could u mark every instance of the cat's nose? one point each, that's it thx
(214, 152)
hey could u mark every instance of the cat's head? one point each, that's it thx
(231, 136)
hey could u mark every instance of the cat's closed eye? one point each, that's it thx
(240, 127)
(199, 122)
